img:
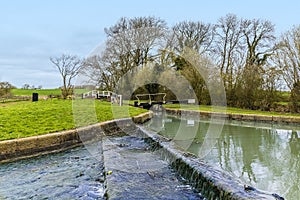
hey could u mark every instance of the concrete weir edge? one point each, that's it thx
(210, 181)
(240, 117)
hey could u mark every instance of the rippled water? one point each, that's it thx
(72, 174)
(140, 173)
(263, 155)
(78, 174)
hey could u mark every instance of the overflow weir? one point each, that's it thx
(140, 164)
(135, 171)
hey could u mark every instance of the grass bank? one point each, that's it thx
(228, 110)
(24, 119)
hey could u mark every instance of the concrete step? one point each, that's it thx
(133, 171)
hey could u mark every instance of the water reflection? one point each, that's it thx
(263, 155)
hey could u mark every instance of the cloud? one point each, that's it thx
(34, 76)
(25, 58)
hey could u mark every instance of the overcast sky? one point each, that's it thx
(31, 31)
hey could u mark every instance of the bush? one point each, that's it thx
(5, 89)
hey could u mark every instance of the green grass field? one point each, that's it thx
(23, 119)
(227, 110)
(23, 92)
(42, 92)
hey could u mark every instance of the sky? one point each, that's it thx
(32, 31)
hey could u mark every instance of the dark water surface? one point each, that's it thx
(266, 156)
(72, 174)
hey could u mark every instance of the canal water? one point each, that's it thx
(263, 155)
(72, 174)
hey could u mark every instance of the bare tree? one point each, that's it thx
(287, 57)
(229, 52)
(68, 67)
(100, 72)
(130, 44)
(133, 40)
(259, 40)
(189, 36)
(26, 86)
(194, 35)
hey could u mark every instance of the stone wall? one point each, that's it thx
(242, 117)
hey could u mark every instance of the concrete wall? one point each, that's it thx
(15, 149)
(242, 117)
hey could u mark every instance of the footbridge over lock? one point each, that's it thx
(146, 101)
